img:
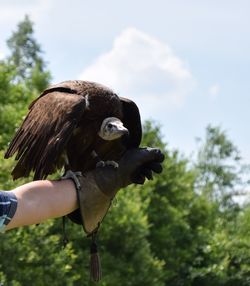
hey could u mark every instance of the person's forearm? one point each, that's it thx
(41, 200)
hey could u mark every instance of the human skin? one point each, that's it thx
(41, 200)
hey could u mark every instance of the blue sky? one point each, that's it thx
(185, 63)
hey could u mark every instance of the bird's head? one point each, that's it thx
(112, 128)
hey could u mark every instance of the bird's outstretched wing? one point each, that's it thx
(45, 132)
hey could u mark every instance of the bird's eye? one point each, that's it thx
(110, 125)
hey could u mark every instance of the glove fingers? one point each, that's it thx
(155, 167)
(147, 172)
(139, 164)
(154, 154)
(138, 178)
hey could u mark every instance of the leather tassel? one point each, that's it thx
(95, 262)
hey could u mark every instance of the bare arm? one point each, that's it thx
(41, 200)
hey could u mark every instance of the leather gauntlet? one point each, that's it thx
(97, 188)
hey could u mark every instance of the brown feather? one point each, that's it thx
(36, 141)
(67, 117)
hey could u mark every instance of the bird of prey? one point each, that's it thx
(74, 124)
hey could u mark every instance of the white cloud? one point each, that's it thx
(145, 69)
(214, 90)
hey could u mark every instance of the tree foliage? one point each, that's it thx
(184, 228)
(219, 164)
(22, 76)
(26, 56)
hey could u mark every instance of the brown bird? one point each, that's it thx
(74, 124)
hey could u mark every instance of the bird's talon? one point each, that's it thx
(112, 164)
(107, 163)
(100, 164)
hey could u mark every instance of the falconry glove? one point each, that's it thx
(96, 190)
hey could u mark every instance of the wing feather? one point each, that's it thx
(45, 132)
(131, 120)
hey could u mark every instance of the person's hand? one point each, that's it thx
(97, 188)
(134, 167)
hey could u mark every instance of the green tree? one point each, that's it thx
(192, 214)
(220, 172)
(11, 99)
(26, 56)
(23, 76)
(176, 214)
(220, 177)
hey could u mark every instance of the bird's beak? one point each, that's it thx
(123, 131)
